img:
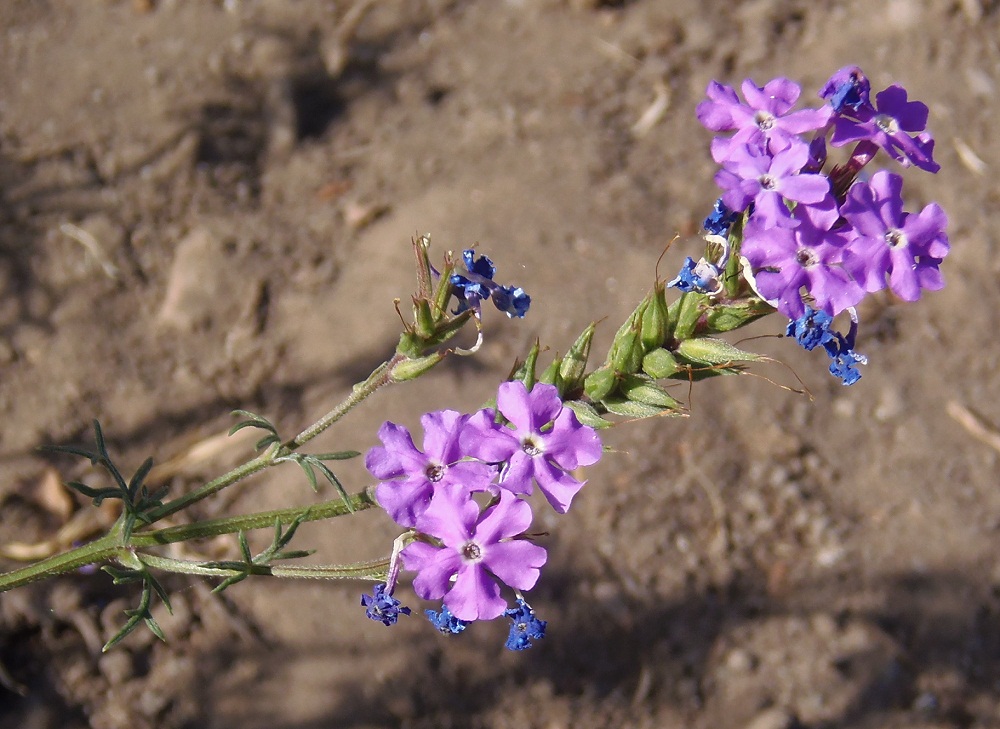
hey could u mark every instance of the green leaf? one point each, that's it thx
(138, 477)
(338, 456)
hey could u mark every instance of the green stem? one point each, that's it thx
(111, 545)
(259, 520)
(381, 375)
(375, 569)
(214, 486)
(99, 550)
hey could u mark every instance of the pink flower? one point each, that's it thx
(477, 550)
(410, 476)
(531, 449)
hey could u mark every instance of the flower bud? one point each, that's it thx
(710, 351)
(660, 363)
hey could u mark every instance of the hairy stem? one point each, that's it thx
(111, 546)
(375, 569)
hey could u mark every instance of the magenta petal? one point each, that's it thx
(434, 568)
(557, 485)
(903, 278)
(398, 457)
(404, 500)
(450, 516)
(516, 477)
(483, 439)
(571, 444)
(475, 595)
(516, 563)
(507, 518)
(441, 430)
(805, 188)
(528, 411)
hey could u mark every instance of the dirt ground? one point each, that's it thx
(208, 205)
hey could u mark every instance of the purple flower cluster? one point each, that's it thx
(466, 548)
(818, 240)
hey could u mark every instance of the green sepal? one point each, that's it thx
(412, 368)
(630, 409)
(660, 363)
(574, 364)
(600, 383)
(551, 374)
(642, 389)
(727, 317)
(687, 312)
(711, 351)
(424, 320)
(625, 355)
(525, 371)
(653, 330)
(587, 414)
(732, 279)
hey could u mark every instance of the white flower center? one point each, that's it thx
(896, 238)
(530, 446)
(806, 258)
(767, 182)
(886, 123)
(472, 552)
(764, 120)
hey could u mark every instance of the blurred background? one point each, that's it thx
(209, 205)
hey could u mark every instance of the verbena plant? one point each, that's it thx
(794, 234)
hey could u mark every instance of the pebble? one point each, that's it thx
(773, 718)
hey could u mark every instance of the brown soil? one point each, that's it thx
(208, 205)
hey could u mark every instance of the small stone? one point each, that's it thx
(773, 718)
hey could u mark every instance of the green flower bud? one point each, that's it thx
(599, 383)
(653, 330)
(710, 351)
(411, 369)
(641, 389)
(660, 363)
(587, 414)
(726, 317)
(574, 364)
(631, 409)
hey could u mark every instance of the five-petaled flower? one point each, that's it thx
(544, 444)
(473, 551)
(409, 475)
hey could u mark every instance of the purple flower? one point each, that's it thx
(477, 550)
(525, 627)
(382, 606)
(445, 622)
(906, 247)
(409, 476)
(763, 122)
(767, 181)
(701, 277)
(531, 449)
(848, 88)
(888, 126)
(476, 285)
(811, 330)
(784, 262)
(845, 359)
(720, 219)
